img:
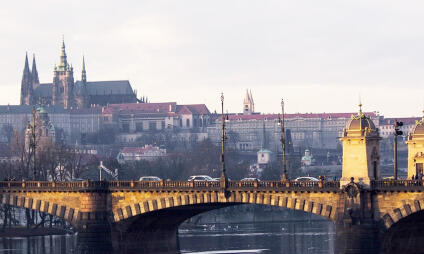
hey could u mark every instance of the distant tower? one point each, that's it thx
(63, 82)
(26, 85)
(248, 104)
(361, 150)
(34, 74)
(416, 150)
(81, 96)
(35, 80)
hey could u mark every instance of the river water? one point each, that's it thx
(302, 237)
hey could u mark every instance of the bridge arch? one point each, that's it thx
(392, 215)
(59, 210)
(323, 204)
(404, 234)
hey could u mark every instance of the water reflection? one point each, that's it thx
(60, 244)
(293, 238)
(275, 237)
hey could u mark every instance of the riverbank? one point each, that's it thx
(25, 232)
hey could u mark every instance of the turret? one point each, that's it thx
(361, 151)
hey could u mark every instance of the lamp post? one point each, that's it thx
(223, 178)
(33, 145)
(283, 143)
(396, 133)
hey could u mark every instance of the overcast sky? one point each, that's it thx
(320, 56)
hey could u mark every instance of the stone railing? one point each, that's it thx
(397, 185)
(9, 186)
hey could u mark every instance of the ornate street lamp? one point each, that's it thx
(283, 143)
(223, 179)
(33, 145)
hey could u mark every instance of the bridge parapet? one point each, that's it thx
(398, 185)
(167, 185)
(53, 186)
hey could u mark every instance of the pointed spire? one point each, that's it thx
(26, 84)
(63, 64)
(83, 73)
(26, 67)
(34, 71)
(247, 97)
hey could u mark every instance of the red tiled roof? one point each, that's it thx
(291, 116)
(183, 110)
(195, 109)
(198, 109)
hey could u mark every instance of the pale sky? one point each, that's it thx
(319, 55)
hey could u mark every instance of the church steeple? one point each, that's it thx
(248, 104)
(83, 73)
(34, 73)
(26, 84)
(63, 63)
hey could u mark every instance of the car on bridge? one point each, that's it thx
(306, 178)
(202, 178)
(150, 178)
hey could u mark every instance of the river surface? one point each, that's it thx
(276, 237)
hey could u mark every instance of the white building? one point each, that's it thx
(148, 152)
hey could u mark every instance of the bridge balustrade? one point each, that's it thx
(186, 185)
(397, 185)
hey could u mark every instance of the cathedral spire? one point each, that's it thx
(26, 67)
(34, 74)
(83, 73)
(26, 84)
(63, 64)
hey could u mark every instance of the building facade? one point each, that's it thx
(135, 119)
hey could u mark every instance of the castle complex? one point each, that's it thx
(67, 93)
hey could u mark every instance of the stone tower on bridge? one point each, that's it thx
(361, 150)
(416, 150)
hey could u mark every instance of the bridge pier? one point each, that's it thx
(362, 238)
(94, 234)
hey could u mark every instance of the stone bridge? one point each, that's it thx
(143, 217)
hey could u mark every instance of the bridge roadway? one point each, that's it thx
(143, 217)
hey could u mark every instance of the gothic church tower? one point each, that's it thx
(27, 91)
(63, 82)
(248, 104)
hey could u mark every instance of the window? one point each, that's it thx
(139, 126)
(125, 127)
(162, 125)
(152, 125)
(188, 123)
